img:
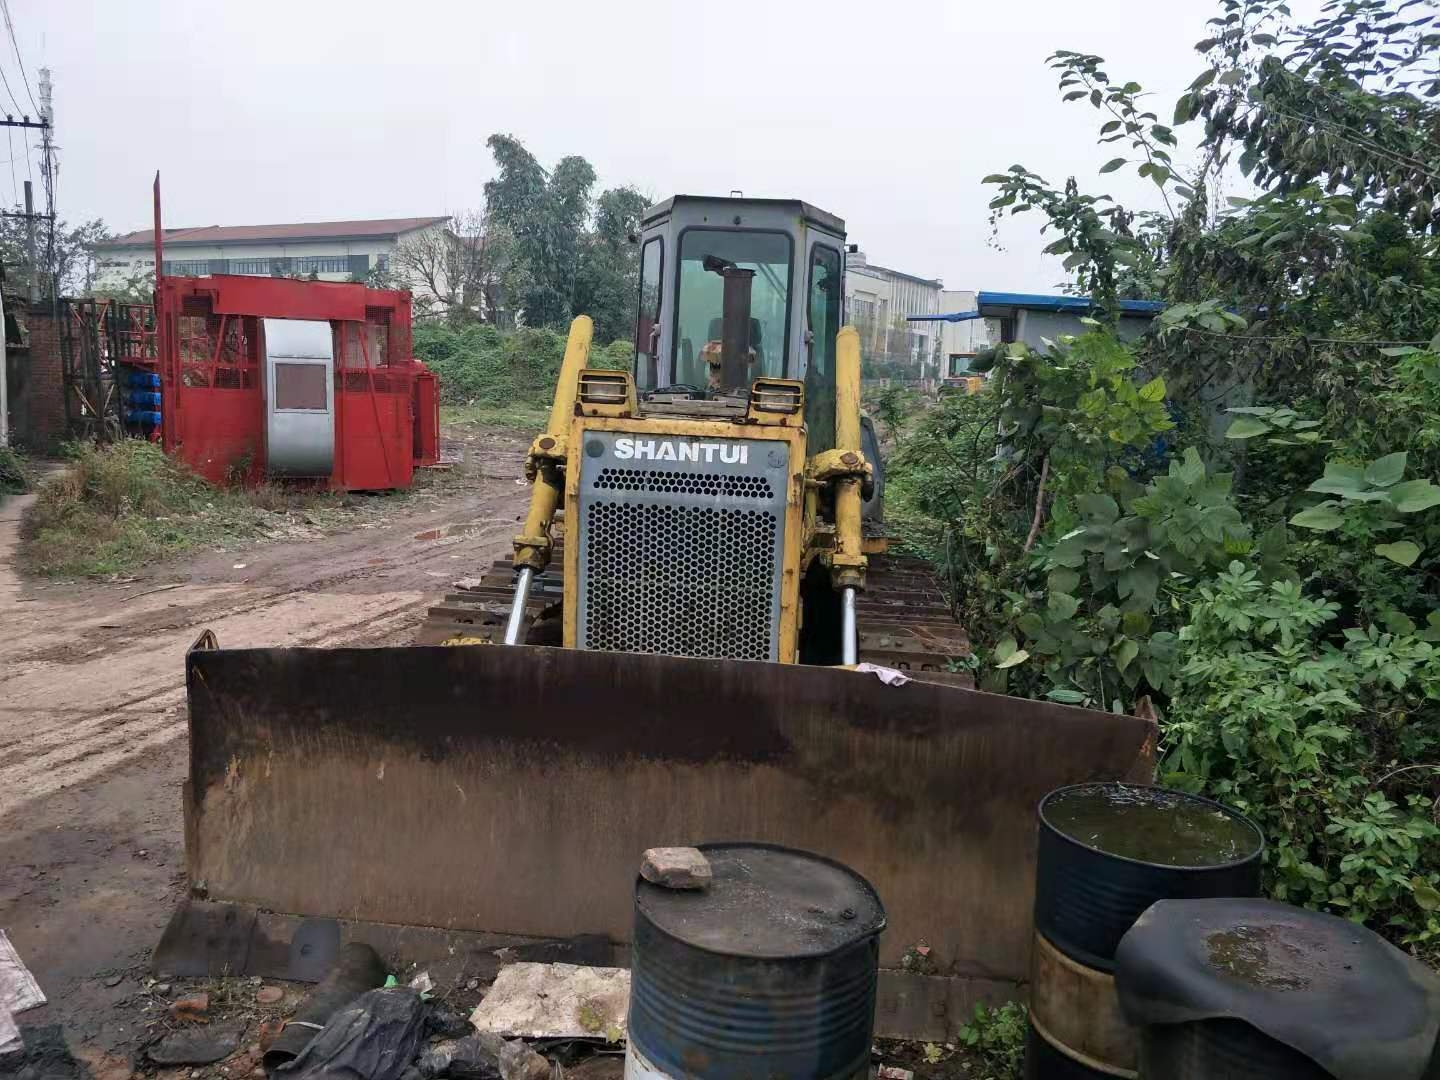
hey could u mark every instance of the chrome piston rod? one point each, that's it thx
(849, 646)
(517, 606)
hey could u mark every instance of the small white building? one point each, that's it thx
(327, 250)
(879, 301)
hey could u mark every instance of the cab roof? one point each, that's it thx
(813, 214)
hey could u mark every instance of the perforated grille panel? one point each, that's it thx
(747, 487)
(683, 559)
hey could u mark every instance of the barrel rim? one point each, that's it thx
(1256, 854)
(881, 920)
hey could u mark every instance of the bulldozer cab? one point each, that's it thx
(735, 289)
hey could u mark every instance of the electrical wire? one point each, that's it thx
(10, 28)
(14, 102)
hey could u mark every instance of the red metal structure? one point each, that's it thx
(210, 331)
(210, 351)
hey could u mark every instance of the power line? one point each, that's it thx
(10, 27)
(15, 104)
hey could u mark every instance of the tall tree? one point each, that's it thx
(454, 273)
(70, 262)
(546, 214)
(608, 271)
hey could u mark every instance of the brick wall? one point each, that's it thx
(37, 386)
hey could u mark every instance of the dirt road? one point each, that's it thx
(92, 722)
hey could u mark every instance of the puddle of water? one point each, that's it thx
(1150, 825)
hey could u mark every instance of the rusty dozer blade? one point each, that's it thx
(513, 789)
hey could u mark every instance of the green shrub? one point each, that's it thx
(482, 365)
(1324, 743)
(996, 1038)
(14, 477)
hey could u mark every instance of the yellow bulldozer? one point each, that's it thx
(696, 640)
(724, 498)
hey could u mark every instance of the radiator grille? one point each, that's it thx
(683, 558)
(681, 580)
(738, 485)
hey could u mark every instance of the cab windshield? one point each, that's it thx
(712, 260)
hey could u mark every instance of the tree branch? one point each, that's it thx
(1039, 508)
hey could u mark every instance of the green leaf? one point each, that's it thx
(1106, 128)
(1426, 896)
(1323, 518)
(1112, 165)
(1386, 471)
(1066, 697)
(1402, 551)
(1400, 350)
(1154, 390)
(1339, 480)
(1064, 580)
(1126, 653)
(1246, 427)
(1019, 656)
(1184, 109)
(1203, 80)
(995, 178)
(1061, 606)
(1412, 496)
(1231, 77)
(1098, 505)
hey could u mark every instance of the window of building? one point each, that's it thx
(250, 266)
(827, 286)
(301, 387)
(382, 261)
(701, 291)
(647, 322)
(320, 264)
(187, 267)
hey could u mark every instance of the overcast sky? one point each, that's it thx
(886, 113)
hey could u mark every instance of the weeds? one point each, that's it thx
(119, 507)
(14, 473)
(996, 1040)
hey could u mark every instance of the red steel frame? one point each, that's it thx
(213, 386)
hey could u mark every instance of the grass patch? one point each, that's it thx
(522, 417)
(120, 507)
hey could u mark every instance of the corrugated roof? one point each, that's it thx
(301, 230)
(1035, 302)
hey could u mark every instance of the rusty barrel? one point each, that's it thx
(1108, 851)
(770, 971)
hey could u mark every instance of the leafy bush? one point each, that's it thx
(995, 1036)
(481, 364)
(1318, 742)
(14, 478)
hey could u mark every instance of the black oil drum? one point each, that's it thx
(770, 971)
(1109, 851)
(1221, 1050)
(1232, 989)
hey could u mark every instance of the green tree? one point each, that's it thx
(607, 276)
(546, 214)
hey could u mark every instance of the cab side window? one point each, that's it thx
(647, 323)
(826, 292)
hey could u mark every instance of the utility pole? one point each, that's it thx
(29, 213)
(47, 173)
(30, 242)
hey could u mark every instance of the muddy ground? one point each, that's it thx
(92, 747)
